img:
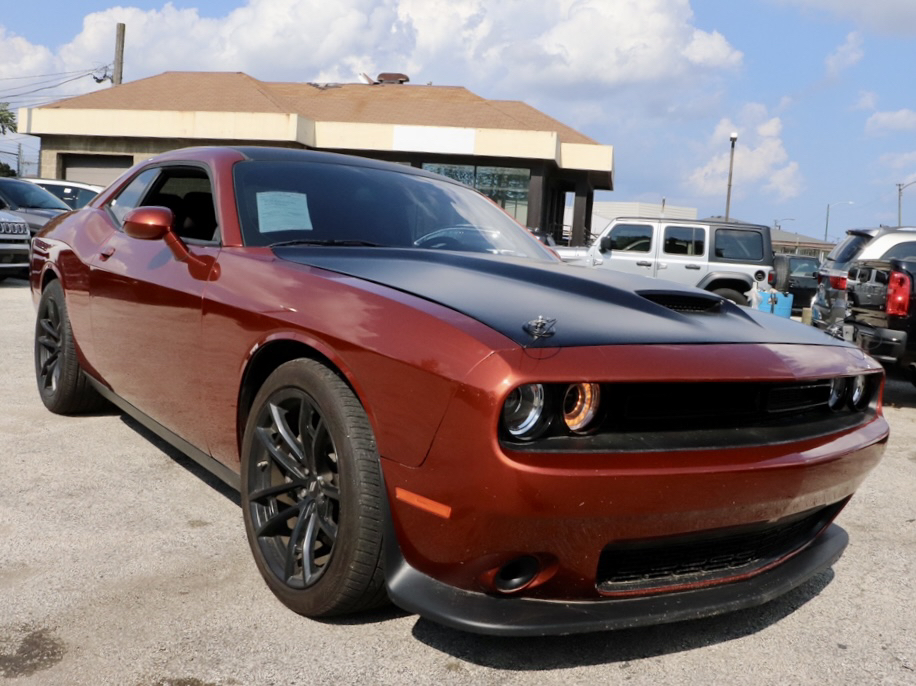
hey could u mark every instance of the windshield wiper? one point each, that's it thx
(326, 241)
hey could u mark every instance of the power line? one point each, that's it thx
(60, 73)
(11, 96)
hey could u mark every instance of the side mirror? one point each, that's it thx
(148, 223)
(605, 244)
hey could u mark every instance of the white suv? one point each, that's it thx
(14, 246)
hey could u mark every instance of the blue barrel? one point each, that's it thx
(779, 304)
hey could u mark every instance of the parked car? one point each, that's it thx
(829, 307)
(881, 312)
(797, 275)
(410, 408)
(14, 246)
(75, 194)
(29, 202)
(726, 258)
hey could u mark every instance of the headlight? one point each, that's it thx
(837, 393)
(858, 396)
(580, 405)
(523, 412)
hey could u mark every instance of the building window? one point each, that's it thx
(506, 186)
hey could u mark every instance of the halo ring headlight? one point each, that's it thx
(523, 411)
(858, 392)
(580, 405)
(837, 393)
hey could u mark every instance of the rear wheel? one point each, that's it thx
(731, 294)
(62, 384)
(312, 493)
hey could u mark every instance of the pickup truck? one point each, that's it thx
(726, 258)
(881, 311)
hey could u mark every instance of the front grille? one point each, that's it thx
(701, 559)
(14, 229)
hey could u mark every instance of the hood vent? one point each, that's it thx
(684, 302)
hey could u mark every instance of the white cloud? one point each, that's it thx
(890, 16)
(868, 100)
(846, 55)
(885, 122)
(898, 160)
(543, 48)
(761, 160)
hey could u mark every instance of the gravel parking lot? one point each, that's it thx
(121, 562)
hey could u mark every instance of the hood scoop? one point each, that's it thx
(686, 303)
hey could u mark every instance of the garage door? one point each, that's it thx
(97, 169)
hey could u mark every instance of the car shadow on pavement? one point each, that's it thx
(899, 392)
(620, 646)
(181, 459)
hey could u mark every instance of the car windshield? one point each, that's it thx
(846, 250)
(28, 195)
(802, 266)
(339, 204)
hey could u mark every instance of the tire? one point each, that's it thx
(313, 508)
(731, 294)
(781, 270)
(62, 384)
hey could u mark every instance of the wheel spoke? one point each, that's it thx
(310, 429)
(278, 489)
(277, 524)
(286, 463)
(327, 523)
(278, 414)
(330, 490)
(310, 570)
(296, 539)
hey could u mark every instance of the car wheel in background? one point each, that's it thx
(731, 294)
(312, 492)
(62, 384)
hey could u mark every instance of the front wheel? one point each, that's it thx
(731, 294)
(62, 384)
(312, 493)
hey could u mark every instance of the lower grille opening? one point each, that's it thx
(700, 559)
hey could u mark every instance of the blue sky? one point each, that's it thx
(822, 93)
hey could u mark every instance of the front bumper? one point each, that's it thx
(474, 509)
(504, 616)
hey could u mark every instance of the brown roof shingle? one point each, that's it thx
(378, 103)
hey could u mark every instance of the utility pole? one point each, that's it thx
(731, 163)
(19, 159)
(119, 56)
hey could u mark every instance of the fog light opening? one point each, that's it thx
(516, 574)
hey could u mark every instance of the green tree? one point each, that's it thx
(7, 119)
(6, 170)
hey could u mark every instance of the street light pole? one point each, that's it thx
(900, 187)
(827, 222)
(777, 223)
(731, 165)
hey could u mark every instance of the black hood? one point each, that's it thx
(576, 305)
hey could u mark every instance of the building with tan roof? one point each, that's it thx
(526, 161)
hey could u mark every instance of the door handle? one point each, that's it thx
(643, 263)
(106, 253)
(691, 266)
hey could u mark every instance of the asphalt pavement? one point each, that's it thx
(121, 562)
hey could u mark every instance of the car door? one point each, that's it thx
(631, 248)
(146, 305)
(682, 253)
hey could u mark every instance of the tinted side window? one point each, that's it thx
(735, 244)
(846, 250)
(631, 237)
(684, 240)
(901, 251)
(129, 198)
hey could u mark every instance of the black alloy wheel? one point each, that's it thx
(311, 492)
(62, 384)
